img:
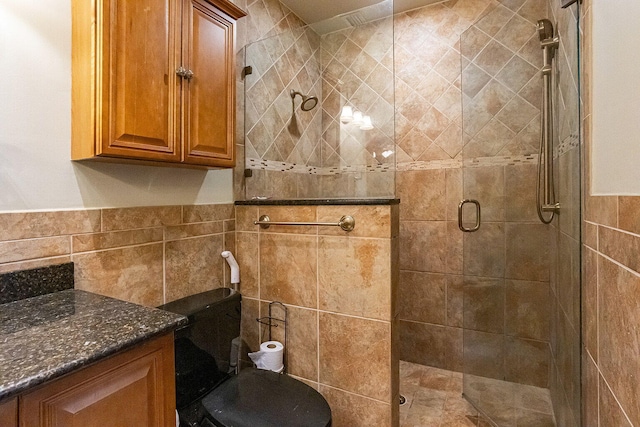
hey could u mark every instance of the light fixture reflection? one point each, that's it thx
(366, 123)
(347, 114)
(358, 120)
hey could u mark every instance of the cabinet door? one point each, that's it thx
(209, 96)
(140, 88)
(135, 388)
(9, 413)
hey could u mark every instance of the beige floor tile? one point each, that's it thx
(434, 399)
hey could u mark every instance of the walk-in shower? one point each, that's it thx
(521, 163)
(455, 95)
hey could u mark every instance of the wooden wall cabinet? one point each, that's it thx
(133, 388)
(154, 81)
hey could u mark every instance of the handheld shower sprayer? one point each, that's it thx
(545, 29)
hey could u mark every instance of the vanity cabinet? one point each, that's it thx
(9, 413)
(132, 388)
(154, 81)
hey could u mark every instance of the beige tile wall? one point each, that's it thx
(146, 255)
(265, 18)
(610, 297)
(276, 128)
(339, 289)
(311, 154)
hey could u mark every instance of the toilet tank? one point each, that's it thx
(204, 346)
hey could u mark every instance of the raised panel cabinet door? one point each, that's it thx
(209, 96)
(140, 87)
(134, 388)
(9, 413)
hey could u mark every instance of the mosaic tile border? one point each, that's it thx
(270, 165)
(570, 142)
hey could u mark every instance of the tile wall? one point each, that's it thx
(265, 19)
(279, 51)
(311, 154)
(146, 255)
(277, 129)
(611, 295)
(339, 289)
(500, 274)
(357, 70)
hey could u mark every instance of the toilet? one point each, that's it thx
(208, 390)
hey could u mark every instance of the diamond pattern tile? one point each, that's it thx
(420, 106)
(517, 114)
(516, 33)
(493, 58)
(494, 20)
(516, 73)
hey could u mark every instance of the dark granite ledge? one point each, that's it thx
(44, 337)
(316, 202)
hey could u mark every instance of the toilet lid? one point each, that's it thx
(259, 398)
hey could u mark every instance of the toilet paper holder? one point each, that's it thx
(274, 322)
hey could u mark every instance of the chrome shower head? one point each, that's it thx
(308, 102)
(545, 29)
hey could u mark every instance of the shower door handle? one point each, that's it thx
(477, 225)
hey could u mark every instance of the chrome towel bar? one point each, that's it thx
(347, 223)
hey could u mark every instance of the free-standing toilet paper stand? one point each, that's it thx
(275, 322)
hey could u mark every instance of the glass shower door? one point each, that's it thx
(513, 322)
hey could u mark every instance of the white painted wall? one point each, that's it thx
(35, 129)
(616, 97)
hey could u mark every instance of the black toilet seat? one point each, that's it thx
(259, 398)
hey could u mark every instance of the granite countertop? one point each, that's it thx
(47, 336)
(318, 202)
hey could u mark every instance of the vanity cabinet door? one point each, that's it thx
(9, 413)
(134, 388)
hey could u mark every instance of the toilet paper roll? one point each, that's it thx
(269, 357)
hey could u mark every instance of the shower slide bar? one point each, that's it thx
(347, 223)
(549, 43)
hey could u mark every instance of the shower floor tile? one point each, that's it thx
(434, 399)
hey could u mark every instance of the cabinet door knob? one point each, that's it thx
(184, 73)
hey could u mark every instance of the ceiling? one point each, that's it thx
(320, 10)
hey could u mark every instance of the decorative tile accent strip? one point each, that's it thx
(434, 164)
(476, 162)
(570, 142)
(480, 162)
(271, 165)
(23, 284)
